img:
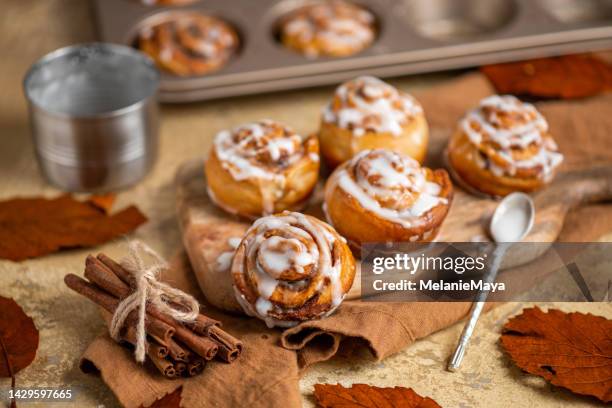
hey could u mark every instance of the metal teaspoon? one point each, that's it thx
(511, 222)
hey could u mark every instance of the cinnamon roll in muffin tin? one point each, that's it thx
(188, 44)
(394, 37)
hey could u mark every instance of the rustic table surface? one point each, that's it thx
(67, 323)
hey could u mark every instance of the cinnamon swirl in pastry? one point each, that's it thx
(189, 43)
(384, 196)
(261, 168)
(367, 113)
(333, 28)
(291, 267)
(502, 146)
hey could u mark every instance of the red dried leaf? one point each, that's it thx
(567, 77)
(571, 350)
(32, 227)
(18, 338)
(170, 400)
(363, 395)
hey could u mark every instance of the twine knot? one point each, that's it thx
(148, 289)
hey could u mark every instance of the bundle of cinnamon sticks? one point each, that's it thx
(176, 349)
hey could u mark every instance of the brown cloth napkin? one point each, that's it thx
(266, 375)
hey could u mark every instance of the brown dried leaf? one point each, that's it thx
(170, 400)
(363, 395)
(18, 338)
(567, 77)
(571, 350)
(32, 227)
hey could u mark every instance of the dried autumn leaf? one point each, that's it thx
(567, 77)
(31, 227)
(571, 350)
(18, 340)
(363, 395)
(170, 400)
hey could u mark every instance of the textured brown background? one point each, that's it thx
(29, 29)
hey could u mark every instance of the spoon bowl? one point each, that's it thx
(513, 218)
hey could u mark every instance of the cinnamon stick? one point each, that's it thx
(174, 348)
(177, 352)
(180, 367)
(202, 324)
(195, 367)
(98, 273)
(153, 326)
(163, 342)
(117, 269)
(229, 346)
(129, 335)
(201, 345)
(210, 338)
(159, 350)
(166, 367)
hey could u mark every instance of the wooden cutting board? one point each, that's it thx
(207, 229)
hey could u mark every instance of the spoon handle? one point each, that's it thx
(466, 334)
(476, 309)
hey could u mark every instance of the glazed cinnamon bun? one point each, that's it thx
(384, 196)
(291, 267)
(261, 168)
(503, 145)
(333, 28)
(188, 43)
(367, 113)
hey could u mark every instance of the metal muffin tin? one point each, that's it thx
(414, 36)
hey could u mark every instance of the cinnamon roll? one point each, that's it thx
(261, 168)
(503, 145)
(367, 113)
(291, 267)
(188, 43)
(333, 28)
(384, 196)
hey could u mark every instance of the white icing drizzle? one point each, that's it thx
(511, 125)
(390, 185)
(367, 104)
(260, 151)
(325, 27)
(292, 251)
(224, 261)
(234, 242)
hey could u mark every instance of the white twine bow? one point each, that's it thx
(148, 289)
